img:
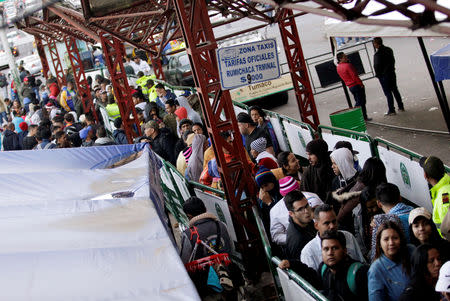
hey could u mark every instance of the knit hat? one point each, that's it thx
(187, 152)
(23, 126)
(264, 176)
(288, 184)
(416, 212)
(259, 145)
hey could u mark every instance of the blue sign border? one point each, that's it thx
(246, 84)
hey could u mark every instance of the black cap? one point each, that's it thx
(345, 144)
(433, 167)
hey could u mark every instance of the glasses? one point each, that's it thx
(304, 208)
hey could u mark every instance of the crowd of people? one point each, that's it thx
(339, 225)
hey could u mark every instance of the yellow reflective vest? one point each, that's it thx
(440, 198)
(113, 110)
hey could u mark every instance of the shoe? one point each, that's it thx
(368, 119)
(402, 110)
(390, 113)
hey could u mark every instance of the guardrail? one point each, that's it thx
(401, 165)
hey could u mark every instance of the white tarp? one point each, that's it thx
(291, 290)
(64, 237)
(298, 138)
(336, 28)
(408, 176)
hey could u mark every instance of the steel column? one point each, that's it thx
(42, 56)
(81, 82)
(56, 62)
(157, 67)
(114, 52)
(298, 68)
(220, 117)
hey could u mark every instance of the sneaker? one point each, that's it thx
(368, 119)
(390, 113)
(402, 110)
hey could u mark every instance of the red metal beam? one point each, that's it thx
(42, 56)
(114, 51)
(56, 62)
(81, 82)
(130, 15)
(298, 68)
(220, 117)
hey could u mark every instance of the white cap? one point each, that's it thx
(443, 283)
(313, 199)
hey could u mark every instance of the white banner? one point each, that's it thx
(219, 207)
(279, 133)
(298, 138)
(182, 185)
(249, 63)
(408, 176)
(291, 290)
(363, 147)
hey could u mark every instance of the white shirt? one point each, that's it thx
(143, 66)
(311, 254)
(279, 218)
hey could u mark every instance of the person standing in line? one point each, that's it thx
(384, 65)
(347, 72)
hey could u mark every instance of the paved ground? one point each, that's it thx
(422, 107)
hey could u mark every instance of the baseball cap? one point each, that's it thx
(151, 125)
(416, 212)
(345, 144)
(25, 79)
(443, 283)
(103, 92)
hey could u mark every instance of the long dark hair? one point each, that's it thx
(402, 255)
(435, 239)
(260, 111)
(419, 260)
(373, 173)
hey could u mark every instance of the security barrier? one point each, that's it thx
(402, 169)
(361, 142)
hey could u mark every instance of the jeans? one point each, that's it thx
(359, 93)
(389, 85)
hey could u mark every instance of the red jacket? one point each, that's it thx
(348, 74)
(54, 89)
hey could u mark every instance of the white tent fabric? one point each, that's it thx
(336, 28)
(63, 236)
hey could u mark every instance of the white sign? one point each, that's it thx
(247, 64)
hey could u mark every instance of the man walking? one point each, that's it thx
(349, 75)
(384, 65)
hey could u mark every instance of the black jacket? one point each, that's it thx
(296, 239)
(384, 61)
(10, 141)
(120, 137)
(164, 145)
(29, 142)
(335, 286)
(418, 291)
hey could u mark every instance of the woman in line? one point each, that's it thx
(390, 273)
(425, 264)
(289, 166)
(424, 231)
(259, 117)
(318, 176)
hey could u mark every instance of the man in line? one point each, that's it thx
(251, 132)
(349, 75)
(325, 219)
(439, 180)
(384, 65)
(342, 277)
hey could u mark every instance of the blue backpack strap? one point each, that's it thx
(351, 276)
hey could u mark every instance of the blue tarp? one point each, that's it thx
(441, 63)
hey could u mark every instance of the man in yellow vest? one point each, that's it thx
(434, 173)
(151, 87)
(112, 109)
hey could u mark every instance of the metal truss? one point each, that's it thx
(220, 117)
(42, 56)
(79, 76)
(56, 62)
(114, 51)
(298, 68)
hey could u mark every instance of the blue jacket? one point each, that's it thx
(387, 280)
(120, 137)
(402, 211)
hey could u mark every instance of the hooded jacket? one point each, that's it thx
(10, 141)
(120, 137)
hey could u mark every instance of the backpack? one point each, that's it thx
(351, 275)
